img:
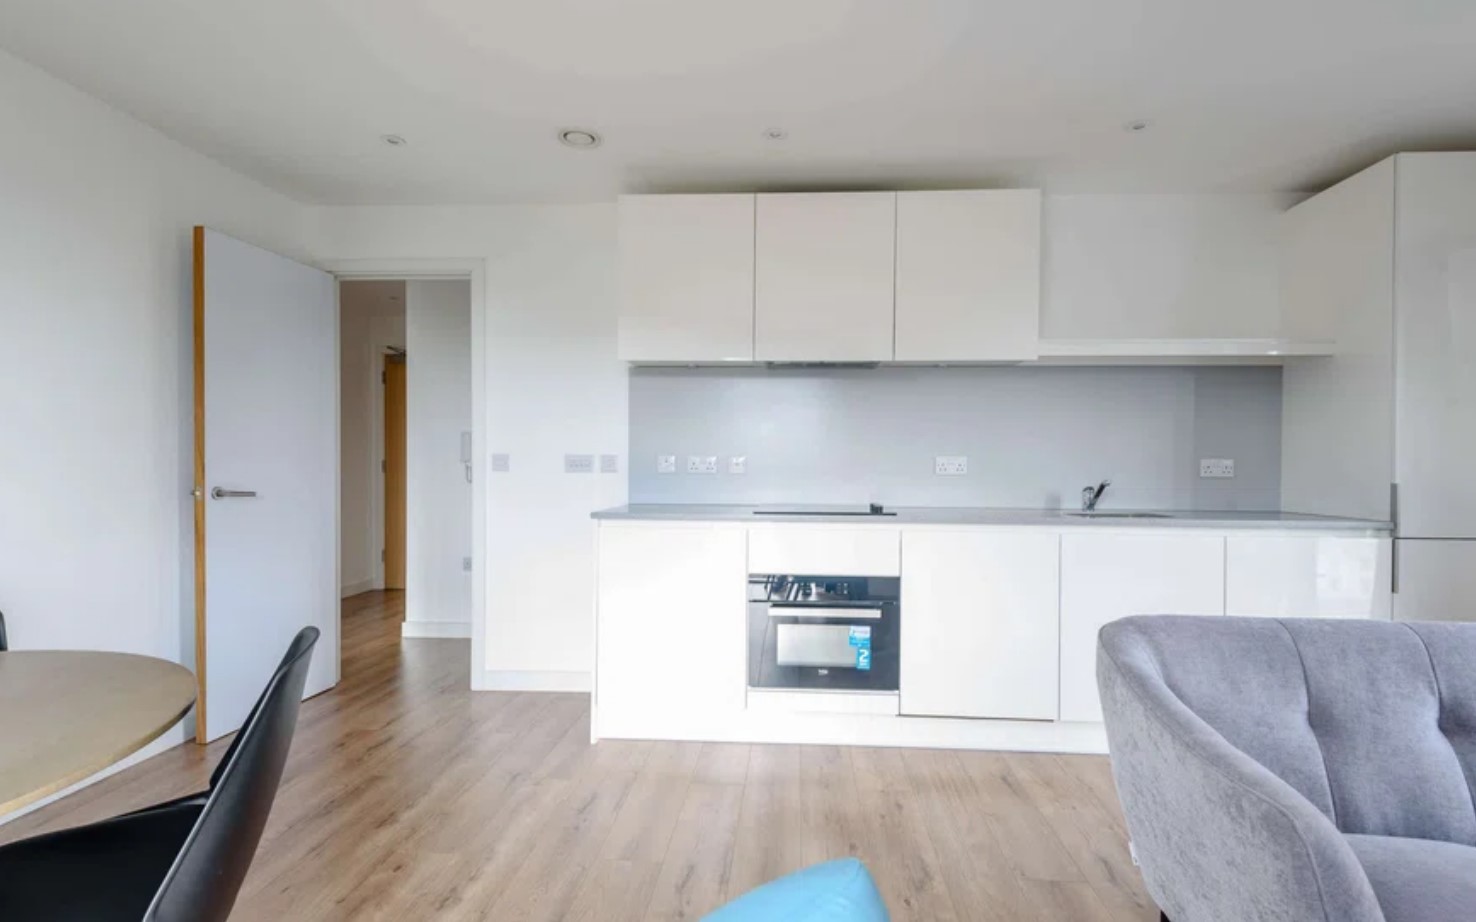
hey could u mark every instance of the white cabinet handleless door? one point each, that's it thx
(1307, 576)
(968, 276)
(671, 637)
(1109, 576)
(824, 277)
(980, 623)
(686, 278)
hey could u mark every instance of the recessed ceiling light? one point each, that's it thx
(1137, 126)
(393, 140)
(581, 138)
(775, 134)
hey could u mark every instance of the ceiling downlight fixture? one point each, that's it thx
(393, 140)
(579, 138)
(775, 134)
(1137, 126)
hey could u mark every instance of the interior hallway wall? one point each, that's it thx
(371, 321)
(438, 385)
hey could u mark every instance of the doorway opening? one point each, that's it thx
(406, 506)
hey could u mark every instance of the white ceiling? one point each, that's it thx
(1243, 94)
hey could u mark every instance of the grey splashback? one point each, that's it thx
(1033, 435)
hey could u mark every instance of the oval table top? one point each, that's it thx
(65, 715)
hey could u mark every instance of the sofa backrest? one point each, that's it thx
(1373, 722)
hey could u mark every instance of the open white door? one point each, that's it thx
(266, 473)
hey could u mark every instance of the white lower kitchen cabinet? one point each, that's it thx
(1307, 576)
(980, 624)
(1109, 576)
(670, 635)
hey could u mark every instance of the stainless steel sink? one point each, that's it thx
(1120, 515)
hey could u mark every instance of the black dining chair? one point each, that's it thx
(183, 861)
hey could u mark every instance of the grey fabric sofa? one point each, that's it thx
(1296, 769)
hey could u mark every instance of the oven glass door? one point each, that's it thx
(831, 645)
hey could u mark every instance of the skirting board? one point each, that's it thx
(435, 629)
(859, 730)
(534, 680)
(363, 585)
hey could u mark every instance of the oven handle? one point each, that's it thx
(795, 611)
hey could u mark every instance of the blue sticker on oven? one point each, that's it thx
(859, 637)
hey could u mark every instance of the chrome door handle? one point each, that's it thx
(219, 493)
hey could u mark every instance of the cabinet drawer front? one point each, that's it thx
(824, 550)
(1307, 576)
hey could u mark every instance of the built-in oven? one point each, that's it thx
(823, 633)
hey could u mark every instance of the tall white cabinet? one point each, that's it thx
(686, 278)
(823, 280)
(1386, 262)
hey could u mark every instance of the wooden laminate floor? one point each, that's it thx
(407, 796)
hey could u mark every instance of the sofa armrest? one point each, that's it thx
(1217, 835)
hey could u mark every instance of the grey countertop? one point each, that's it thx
(925, 515)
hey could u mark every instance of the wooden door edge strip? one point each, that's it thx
(199, 495)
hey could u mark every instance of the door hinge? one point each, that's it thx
(383, 378)
(381, 555)
(383, 469)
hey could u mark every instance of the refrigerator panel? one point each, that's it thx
(1437, 581)
(1435, 345)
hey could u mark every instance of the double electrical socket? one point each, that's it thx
(1217, 467)
(701, 464)
(951, 465)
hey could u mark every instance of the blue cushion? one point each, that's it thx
(836, 891)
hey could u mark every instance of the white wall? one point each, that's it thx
(553, 385)
(95, 390)
(371, 320)
(438, 597)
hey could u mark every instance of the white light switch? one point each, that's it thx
(666, 464)
(1217, 467)
(738, 464)
(609, 464)
(501, 462)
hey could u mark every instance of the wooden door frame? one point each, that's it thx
(474, 270)
(387, 504)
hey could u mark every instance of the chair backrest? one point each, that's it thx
(202, 884)
(1373, 722)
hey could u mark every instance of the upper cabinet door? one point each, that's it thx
(824, 277)
(686, 278)
(968, 276)
(1435, 344)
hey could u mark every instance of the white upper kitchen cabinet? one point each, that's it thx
(672, 632)
(968, 276)
(1109, 576)
(823, 277)
(1307, 576)
(1435, 344)
(980, 625)
(686, 278)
